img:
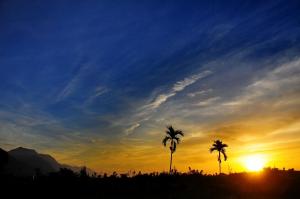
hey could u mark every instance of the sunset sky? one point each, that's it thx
(96, 82)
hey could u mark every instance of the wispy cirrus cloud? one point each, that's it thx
(146, 111)
(208, 101)
(201, 92)
(72, 84)
(281, 82)
(177, 87)
(130, 129)
(97, 92)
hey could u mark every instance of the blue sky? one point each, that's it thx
(83, 80)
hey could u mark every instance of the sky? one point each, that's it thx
(96, 83)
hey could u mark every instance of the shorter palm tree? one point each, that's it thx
(172, 136)
(220, 147)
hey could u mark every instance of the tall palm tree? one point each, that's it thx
(172, 136)
(220, 147)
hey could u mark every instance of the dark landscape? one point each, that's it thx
(271, 183)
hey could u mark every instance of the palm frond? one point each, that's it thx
(224, 154)
(224, 145)
(171, 135)
(179, 132)
(218, 142)
(168, 133)
(165, 140)
(170, 129)
(212, 149)
(177, 139)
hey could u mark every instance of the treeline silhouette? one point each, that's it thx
(269, 184)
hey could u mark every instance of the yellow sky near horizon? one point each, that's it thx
(279, 150)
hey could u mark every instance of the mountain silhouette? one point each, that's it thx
(3, 158)
(27, 162)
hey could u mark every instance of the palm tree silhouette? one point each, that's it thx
(220, 147)
(171, 135)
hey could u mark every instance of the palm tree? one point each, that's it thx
(220, 147)
(171, 135)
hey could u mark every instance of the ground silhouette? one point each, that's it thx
(269, 184)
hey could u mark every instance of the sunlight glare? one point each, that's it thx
(254, 162)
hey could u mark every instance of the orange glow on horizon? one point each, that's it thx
(254, 163)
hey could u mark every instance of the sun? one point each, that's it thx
(254, 162)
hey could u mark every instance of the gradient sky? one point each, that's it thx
(96, 82)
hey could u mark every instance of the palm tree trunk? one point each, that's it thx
(219, 163)
(171, 162)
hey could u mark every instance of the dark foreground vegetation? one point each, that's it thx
(271, 183)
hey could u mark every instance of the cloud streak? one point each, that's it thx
(202, 92)
(72, 85)
(177, 87)
(281, 81)
(130, 129)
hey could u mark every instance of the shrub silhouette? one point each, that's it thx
(269, 184)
